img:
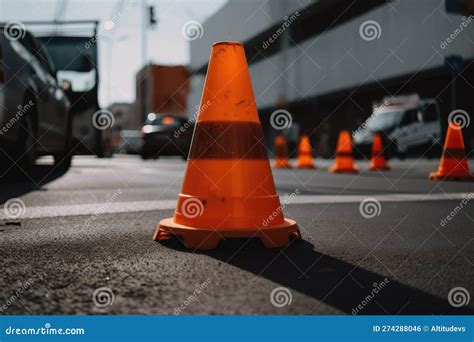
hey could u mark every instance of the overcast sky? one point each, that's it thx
(120, 47)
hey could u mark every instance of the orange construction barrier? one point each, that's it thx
(344, 161)
(228, 189)
(453, 164)
(281, 153)
(377, 161)
(305, 154)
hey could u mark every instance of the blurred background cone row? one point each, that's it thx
(344, 160)
(377, 161)
(305, 154)
(282, 160)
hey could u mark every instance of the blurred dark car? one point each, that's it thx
(131, 143)
(166, 135)
(34, 110)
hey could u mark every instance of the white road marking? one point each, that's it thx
(137, 206)
(93, 209)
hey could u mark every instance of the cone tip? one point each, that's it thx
(454, 125)
(227, 43)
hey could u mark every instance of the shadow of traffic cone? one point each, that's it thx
(305, 154)
(344, 161)
(228, 189)
(377, 160)
(281, 153)
(453, 163)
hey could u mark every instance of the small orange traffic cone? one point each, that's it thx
(453, 164)
(281, 153)
(305, 154)
(228, 189)
(344, 160)
(377, 161)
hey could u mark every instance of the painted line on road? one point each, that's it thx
(138, 206)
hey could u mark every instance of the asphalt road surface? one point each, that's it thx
(82, 244)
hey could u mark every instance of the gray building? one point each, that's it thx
(329, 61)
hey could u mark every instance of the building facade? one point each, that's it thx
(329, 61)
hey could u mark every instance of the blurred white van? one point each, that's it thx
(407, 124)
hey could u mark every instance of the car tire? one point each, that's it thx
(396, 151)
(63, 161)
(26, 153)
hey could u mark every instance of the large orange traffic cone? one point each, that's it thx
(281, 153)
(228, 189)
(377, 161)
(305, 154)
(344, 160)
(453, 164)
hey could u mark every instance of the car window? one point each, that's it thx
(430, 113)
(411, 116)
(43, 56)
(45, 60)
(27, 42)
(25, 54)
(383, 121)
(33, 48)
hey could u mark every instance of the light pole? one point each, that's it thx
(147, 20)
(110, 43)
